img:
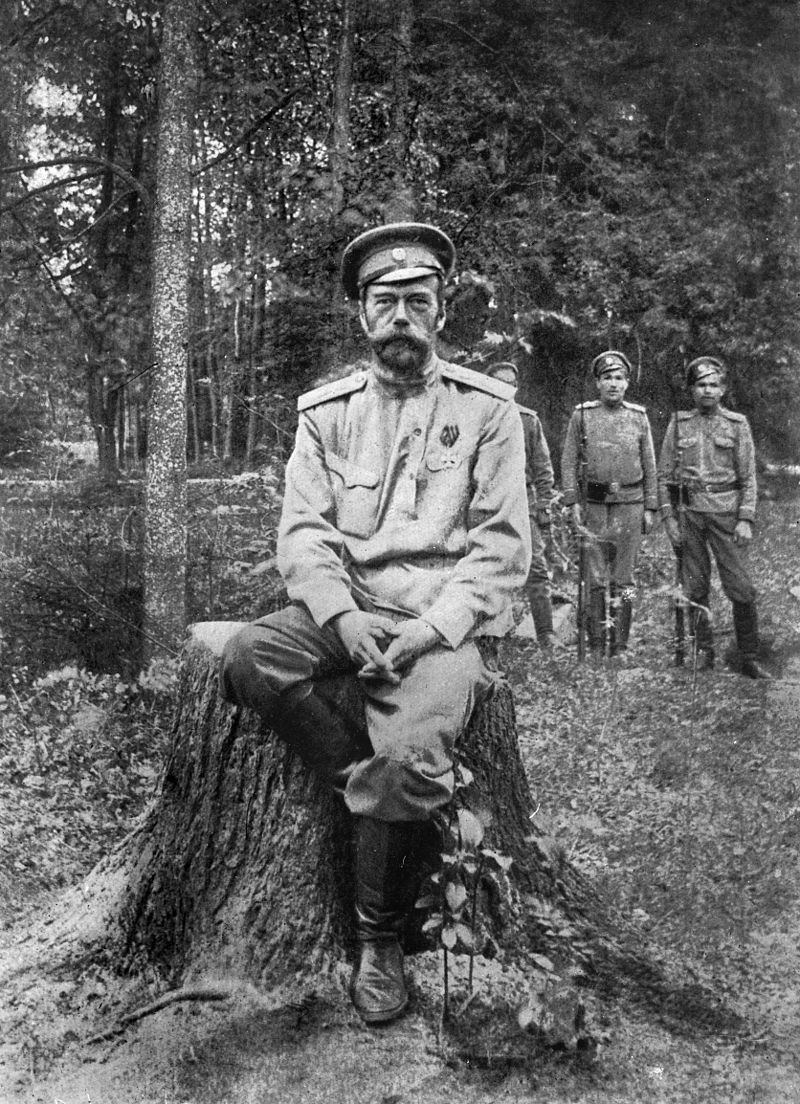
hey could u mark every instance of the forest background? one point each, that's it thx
(614, 173)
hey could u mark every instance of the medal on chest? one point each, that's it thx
(448, 437)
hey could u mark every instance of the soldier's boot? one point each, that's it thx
(320, 735)
(542, 613)
(596, 634)
(700, 628)
(621, 628)
(386, 881)
(745, 624)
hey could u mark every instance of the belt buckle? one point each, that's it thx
(613, 488)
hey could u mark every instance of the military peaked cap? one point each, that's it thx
(704, 366)
(610, 361)
(395, 252)
(502, 366)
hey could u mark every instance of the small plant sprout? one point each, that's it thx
(451, 892)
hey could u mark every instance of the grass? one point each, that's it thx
(678, 797)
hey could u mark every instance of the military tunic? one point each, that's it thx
(713, 462)
(539, 480)
(620, 479)
(410, 503)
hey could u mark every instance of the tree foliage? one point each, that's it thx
(619, 173)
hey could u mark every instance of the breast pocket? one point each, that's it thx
(356, 492)
(687, 447)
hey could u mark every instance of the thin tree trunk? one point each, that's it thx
(165, 493)
(191, 398)
(338, 148)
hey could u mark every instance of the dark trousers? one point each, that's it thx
(412, 727)
(704, 534)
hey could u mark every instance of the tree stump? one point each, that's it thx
(249, 853)
(240, 868)
(247, 862)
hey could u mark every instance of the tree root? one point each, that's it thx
(193, 993)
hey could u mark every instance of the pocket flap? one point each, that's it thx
(351, 474)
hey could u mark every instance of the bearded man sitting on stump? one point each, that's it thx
(404, 535)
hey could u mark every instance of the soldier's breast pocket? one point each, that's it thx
(356, 490)
(688, 448)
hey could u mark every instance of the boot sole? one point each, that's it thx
(384, 1016)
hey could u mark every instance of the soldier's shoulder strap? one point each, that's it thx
(527, 410)
(634, 406)
(478, 380)
(590, 404)
(333, 390)
(732, 415)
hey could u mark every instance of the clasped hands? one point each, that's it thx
(380, 647)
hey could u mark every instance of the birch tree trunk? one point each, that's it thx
(165, 490)
(338, 147)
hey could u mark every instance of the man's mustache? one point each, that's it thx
(401, 339)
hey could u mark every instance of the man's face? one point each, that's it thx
(401, 322)
(707, 394)
(612, 386)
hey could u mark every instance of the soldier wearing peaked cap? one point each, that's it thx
(608, 451)
(707, 497)
(404, 535)
(540, 482)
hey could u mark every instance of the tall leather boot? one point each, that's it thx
(745, 624)
(621, 629)
(701, 630)
(386, 880)
(320, 735)
(596, 634)
(542, 613)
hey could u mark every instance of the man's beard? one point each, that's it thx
(402, 354)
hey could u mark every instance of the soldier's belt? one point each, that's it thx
(721, 488)
(600, 492)
(682, 495)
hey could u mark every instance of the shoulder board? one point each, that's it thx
(634, 406)
(527, 410)
(590, 404)
(477, 380)
(731, 415)
(333, 390)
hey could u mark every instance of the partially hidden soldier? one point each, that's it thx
(540, 482)
(403, 537)
(707, 497)
(608, 454)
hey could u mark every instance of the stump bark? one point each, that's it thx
(243, 860)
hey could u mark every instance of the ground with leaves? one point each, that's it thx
(678, 796)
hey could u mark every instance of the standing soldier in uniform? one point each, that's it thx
(540, 481)
(707, 497)
(403, 536)
(608, 472)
